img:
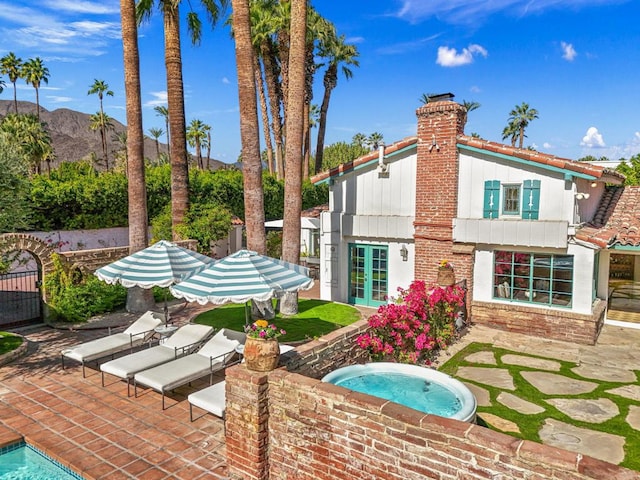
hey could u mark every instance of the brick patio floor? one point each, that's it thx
(100, 432)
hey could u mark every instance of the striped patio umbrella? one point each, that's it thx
(160, 265)
(243, 276)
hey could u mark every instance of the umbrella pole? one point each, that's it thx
(166, 309)
(246, 314)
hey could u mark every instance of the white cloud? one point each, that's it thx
(92, 8)
(449, 57)
(406, 47)
(593, 139)
(472, 12)
(225, 80)
(59, 99)
(159, 98)
(475, 89)
(547, 145)
(568, 52)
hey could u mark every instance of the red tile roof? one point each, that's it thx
(617, 220)
(538, 157)
(369, 157)
(314, 212)
(490, 147)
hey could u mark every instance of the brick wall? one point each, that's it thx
(542, 322)
(439, 124)
(282, 425)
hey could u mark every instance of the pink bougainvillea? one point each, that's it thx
(415, 326)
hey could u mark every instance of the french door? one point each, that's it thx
(368, 274)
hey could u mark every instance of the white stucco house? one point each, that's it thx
(531, 234)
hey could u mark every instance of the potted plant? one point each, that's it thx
(261, 349)
(446, 275)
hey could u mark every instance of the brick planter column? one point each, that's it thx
(247, 423)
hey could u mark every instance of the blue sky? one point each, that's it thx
(576, 61)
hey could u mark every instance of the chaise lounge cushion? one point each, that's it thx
(138, 332)
(214, 355)
(175, 346)
(212, 399)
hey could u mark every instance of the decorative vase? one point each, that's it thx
(261, 354)
(446, 276)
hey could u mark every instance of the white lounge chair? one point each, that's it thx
(215, 355)
(186, 340)
(136, 334)
(212, 399)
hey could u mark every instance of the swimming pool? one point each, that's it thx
(21, 461)
(420, 388)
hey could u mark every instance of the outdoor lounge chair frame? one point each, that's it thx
(144, 337)
(214, 367)
(178, 351)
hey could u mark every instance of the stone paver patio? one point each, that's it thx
(614, 359)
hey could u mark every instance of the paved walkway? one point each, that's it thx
(99, 430)
(615, 358)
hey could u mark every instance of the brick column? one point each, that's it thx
(439, 124)
(247, 423)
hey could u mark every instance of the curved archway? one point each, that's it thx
(10, 242)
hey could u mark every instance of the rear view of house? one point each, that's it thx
(519, 226)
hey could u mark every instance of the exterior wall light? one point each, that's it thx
(404, 253)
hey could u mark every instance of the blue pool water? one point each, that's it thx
(22, 461)
(415, 392)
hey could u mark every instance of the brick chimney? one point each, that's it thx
(439, 123)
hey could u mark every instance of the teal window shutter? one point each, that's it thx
(531, 199)
(491, 199)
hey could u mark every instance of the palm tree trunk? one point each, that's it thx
(38, 105)
(208, 149)
(15, 98)
(322, 125)
(249, 129)
(293, 153)
(265, 113)
(275, 96)
(307, 142)
(138, 300)
(175, 101)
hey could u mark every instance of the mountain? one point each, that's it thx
(73, 140)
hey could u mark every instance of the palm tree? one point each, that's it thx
(520, 117)
(265, 22)
(32, 136)
(374, 140)
(102, 122)
(2, 85)
(207, 145)
(359, 139)
(511, 132)
(470, 106)
(120, 155)
(249, 129)
(138, 299)
(293, 151)
(338, 53)
(163, 111)
(11, 66)
(34, 72)
(196, 136)
(426, 98)
(101, 88)
(156, 133)
(175, 94)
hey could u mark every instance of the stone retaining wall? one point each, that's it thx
(541, 322)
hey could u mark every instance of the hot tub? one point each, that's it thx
(420, 388)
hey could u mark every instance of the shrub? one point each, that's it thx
(415, 326)
(78, 299)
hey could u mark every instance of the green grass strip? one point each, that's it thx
(314, 319)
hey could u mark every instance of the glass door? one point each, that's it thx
(368, 275)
